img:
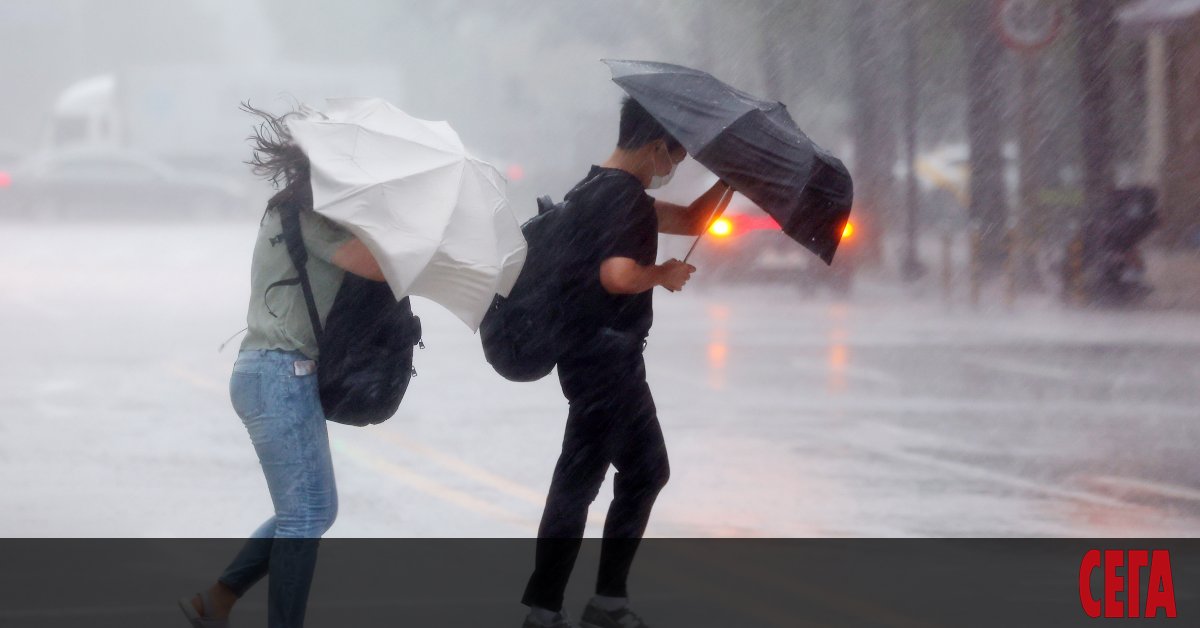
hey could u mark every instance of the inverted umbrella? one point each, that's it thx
(751, 144)
(434, 217)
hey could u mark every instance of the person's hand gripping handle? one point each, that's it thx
(675, 274)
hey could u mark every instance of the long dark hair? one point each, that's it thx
(277, 158)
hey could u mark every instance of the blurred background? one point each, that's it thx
(982, 131)
(1007, 342)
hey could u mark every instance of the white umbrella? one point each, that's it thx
(435, 218)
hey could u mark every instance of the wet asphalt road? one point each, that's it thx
(785, 414)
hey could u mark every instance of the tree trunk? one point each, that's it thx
(1096, 20)
(1180, 202)
(911, 267)
(874, 136)
(985, 118)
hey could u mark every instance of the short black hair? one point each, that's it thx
(639, 128)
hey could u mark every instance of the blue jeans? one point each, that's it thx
(280, 406)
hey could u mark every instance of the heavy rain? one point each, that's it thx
(1007, 341)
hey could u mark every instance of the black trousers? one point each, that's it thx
(611, 420)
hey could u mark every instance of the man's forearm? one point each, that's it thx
(624, 276)
(644, 278)
(701, 209)
(690, 220)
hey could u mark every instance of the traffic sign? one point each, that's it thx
(1027, 25)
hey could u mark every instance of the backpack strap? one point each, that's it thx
(289, 217)
(545, 203)
(603, 174)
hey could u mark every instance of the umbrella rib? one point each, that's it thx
(489, 180)
(356, 192)
(411, 184)
(354, 151)
(452, 150)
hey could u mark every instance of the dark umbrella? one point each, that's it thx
(751, 144)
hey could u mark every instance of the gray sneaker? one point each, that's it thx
(595, 617)
(559, 622)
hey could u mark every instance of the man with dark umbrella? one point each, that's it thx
(612, 417)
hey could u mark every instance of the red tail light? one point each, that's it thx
(736, 224)
(721, 227)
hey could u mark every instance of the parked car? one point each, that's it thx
(747, 246)
(103, 183)
(10, 156)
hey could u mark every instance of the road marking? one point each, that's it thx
(415, 479)
(430, 486)
(815, 399)
(1023, 367)
(980, 473)
(916, 437)
(750, 606)
(465, 469)
(1172, 491)
(487, 478)
(390, 469)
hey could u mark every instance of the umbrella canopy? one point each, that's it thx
(752, 144)
(435, 218)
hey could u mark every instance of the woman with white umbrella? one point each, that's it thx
(274, 391)
(382, 195)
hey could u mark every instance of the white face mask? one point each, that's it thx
(657, 181)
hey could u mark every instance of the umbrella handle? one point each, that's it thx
(718, 209)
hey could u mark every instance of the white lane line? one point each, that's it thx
(981, 473)
(1024, 367)
(816, 399)
(1016, 366)
(1172, 491)
(915, 437)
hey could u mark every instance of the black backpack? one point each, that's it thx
(366, 346)
(522, 334)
